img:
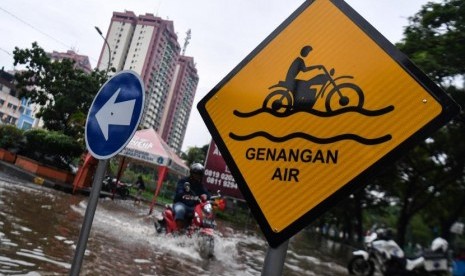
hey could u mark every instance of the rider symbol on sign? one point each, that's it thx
(296, 95)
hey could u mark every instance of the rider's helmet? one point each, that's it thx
(197, 169)
(439, 245)
(384, 233)
(306, 50)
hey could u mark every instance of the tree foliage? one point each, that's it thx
(431, 176)
(435, 39)
(10, 137)
(426, 188)
(195, 155)
(63, 92)
(50, 147)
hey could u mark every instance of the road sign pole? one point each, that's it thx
(89, 217)
(274, 260)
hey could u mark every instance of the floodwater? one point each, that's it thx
(39, 229)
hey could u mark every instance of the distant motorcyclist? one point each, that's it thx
(188, 191)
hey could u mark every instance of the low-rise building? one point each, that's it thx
(13, 110)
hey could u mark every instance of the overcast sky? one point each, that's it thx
(224, 32)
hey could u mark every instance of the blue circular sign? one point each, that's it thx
(114, 114)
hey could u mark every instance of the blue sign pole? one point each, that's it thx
(111, 123)
(88, 218)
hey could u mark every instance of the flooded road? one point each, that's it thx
(39, 229)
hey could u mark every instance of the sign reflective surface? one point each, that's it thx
(313, 110)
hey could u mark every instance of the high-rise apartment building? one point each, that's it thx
(149, 45)
(181, 98)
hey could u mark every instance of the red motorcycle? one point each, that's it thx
(201, 222)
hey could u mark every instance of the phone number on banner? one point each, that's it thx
(225, 180)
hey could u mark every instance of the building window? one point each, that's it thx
(26, 126)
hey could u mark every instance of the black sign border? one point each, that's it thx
(450, 109)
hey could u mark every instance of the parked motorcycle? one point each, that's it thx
(110, 185)
(202, 222)
(384, 255)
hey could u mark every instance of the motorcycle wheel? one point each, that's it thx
(160, 226)
(351, 96)
(361, 267)
(207, 246)
(279, 102)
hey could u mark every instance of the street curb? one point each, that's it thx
(19, 173)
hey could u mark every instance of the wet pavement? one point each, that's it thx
(39, 229)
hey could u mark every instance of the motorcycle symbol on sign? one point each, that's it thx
(295, 95)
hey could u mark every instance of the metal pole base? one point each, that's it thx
(274, 260)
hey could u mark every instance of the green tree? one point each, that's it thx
(10, 137)
(51, 148)
(420, 182)
(364, 208)
(435, 40)
(64, 92)
(430, 179)
(425, 187)
(195, 154)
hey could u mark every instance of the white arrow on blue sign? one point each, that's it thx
(114, 114)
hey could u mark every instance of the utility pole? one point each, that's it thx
(108, 46)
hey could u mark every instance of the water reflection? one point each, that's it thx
(39, 228)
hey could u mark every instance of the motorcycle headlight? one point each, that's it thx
(207, 208)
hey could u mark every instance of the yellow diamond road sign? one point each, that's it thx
(315, 109)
